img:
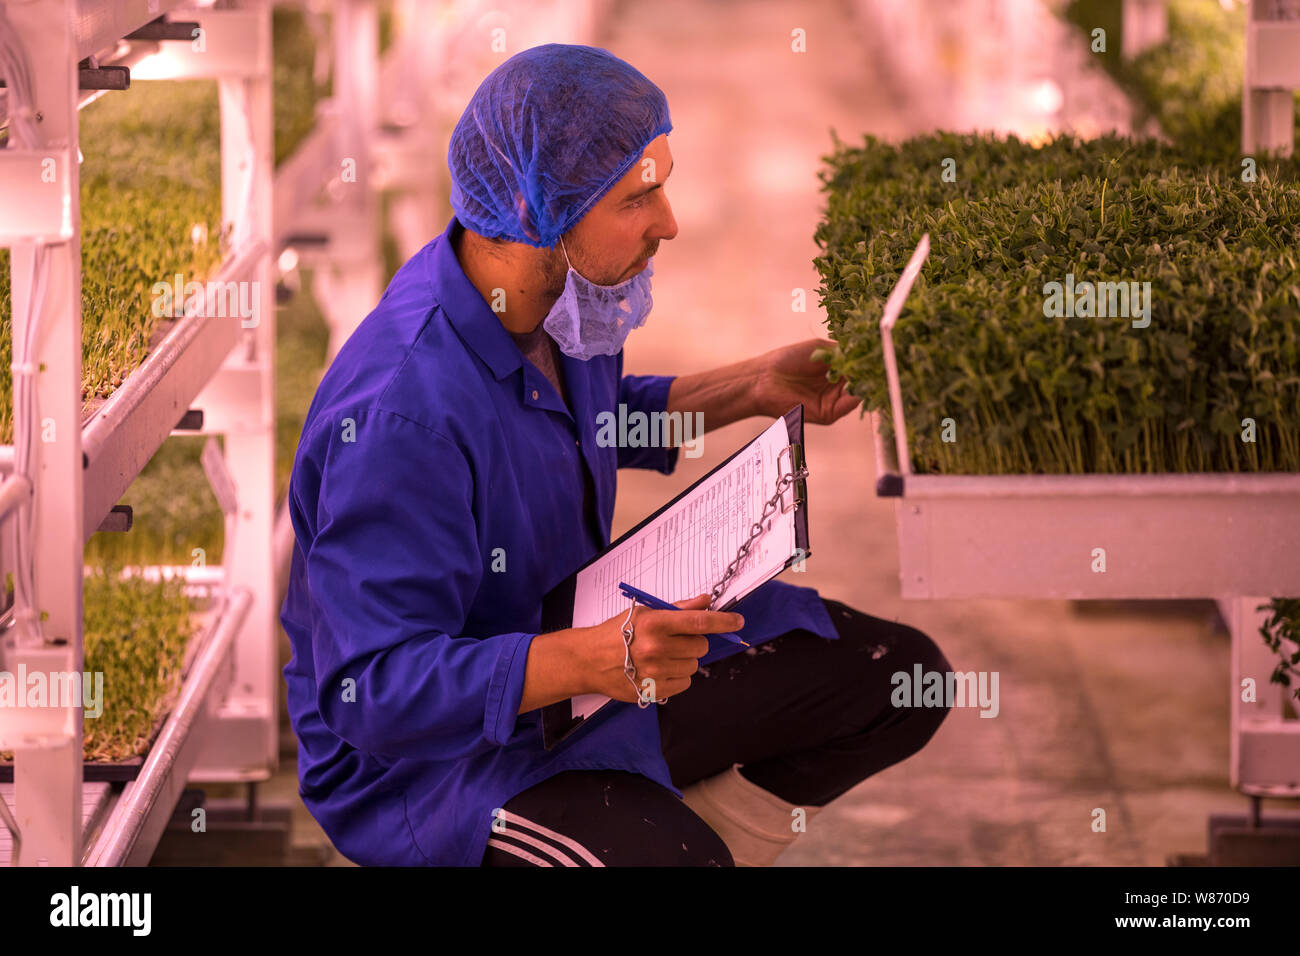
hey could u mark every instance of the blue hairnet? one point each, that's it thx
(545, 136)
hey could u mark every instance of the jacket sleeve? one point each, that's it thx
(393, 568)
(648, 394)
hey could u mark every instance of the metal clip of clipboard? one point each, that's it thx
(797, 473)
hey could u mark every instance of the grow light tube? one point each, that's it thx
(893, 308)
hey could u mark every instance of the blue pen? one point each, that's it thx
(649, 600)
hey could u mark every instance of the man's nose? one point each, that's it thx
(665, 225)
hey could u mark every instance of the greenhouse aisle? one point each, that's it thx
(1101, 707)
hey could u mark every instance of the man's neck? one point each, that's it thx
(511, 285)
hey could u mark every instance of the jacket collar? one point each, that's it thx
(465, 309)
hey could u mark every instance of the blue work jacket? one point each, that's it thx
(437, 495)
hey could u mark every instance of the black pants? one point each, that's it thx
(808, 718)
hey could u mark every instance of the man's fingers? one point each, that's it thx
(844, 404)
(704, 622)
(679, 668)
(697, 603)
(658, 649)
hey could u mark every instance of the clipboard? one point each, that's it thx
(558, 720)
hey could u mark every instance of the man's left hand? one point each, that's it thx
(790, 375)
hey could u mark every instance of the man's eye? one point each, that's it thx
(636, 204)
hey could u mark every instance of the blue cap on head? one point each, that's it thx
(545, 136)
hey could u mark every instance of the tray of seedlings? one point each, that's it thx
(1093, 387)
(140, 637)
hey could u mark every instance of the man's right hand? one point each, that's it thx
(666, 649)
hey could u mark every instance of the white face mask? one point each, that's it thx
(589, 319)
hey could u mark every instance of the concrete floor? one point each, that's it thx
(1101, 706)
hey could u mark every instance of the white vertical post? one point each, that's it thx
(1145, 23)
(48, 767)
(414, 213)
(245, 742)
(349, 285)
(1271, 75)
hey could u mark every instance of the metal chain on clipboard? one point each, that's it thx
(783, 483)
(769, 508)
(629, 669)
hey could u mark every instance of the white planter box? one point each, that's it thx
(1081, 536)
(1033, 536)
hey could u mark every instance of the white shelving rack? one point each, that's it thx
(224, 724)
(1272, 77)
(380, 130)
(1227, 537)
(1272, 69)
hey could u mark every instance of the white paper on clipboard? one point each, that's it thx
(684, 551)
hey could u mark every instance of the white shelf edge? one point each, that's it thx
(137, 822)
(129, 428)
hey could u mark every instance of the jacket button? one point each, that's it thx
(534, 394)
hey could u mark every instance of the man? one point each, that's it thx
(449, 476)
